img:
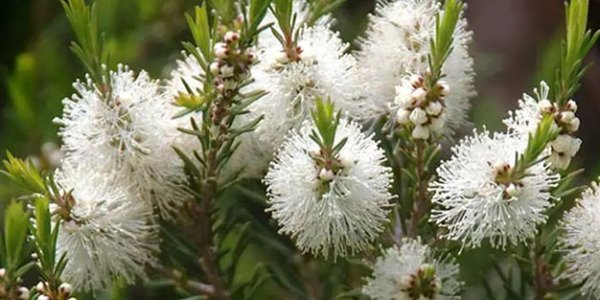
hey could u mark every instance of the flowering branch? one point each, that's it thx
(227, 66)
(427, 103)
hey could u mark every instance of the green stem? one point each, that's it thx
(421, 200)
(208, 256)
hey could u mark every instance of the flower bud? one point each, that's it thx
(250, 56)
(402, 116)
(405, 281)
(416, 80)
(229, 84)
(403, 97)
(43, 297)
(231, 37)
(419, 94)
(215, 68)
(545, 106)
(221, 50)
(566, 144)
(418, 116)
(571, 105)
(559, 161)
(23, 293)
(513, 190)
(65, 288)
(567, 116)
(501, 168)
(40, 287)
(227, 71)
(326, 174)
(444, 88)
(282, 58)
(53, 207)
(434, 108)
(421, 132)
(574, 125)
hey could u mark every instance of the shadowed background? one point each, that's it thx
(516, 44)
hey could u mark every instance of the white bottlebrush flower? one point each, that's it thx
(411, 272)
(132, 133)
(477, 202)
(581, 242)
(525, 120)
(348, 215)
(397, 44)
(108, 234)
(324, 70)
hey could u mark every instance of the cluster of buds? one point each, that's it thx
(45, 292)
(501, 174)
(423, 284)
(565, 146)
(231, 66)
(329, 167)
(14, 291)
(419, 107)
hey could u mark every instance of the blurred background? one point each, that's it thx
(516, 44)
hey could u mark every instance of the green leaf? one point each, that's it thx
(283, 10)
(15, 232)
(225, 9)
(258, 10)
(441, 45)
(326, 121)
(536, 144)
(320, 8)
(200, 27)
(23, 173)
(89, 47)
(576, 46)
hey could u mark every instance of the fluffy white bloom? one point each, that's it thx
(108, 235)
(132, 132)
(324, 70)
(350, 213)
(397, 44)
(582, 242)
(475, 204)
(395, 272)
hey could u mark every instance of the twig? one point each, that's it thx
(196, 287)
(421, 202)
